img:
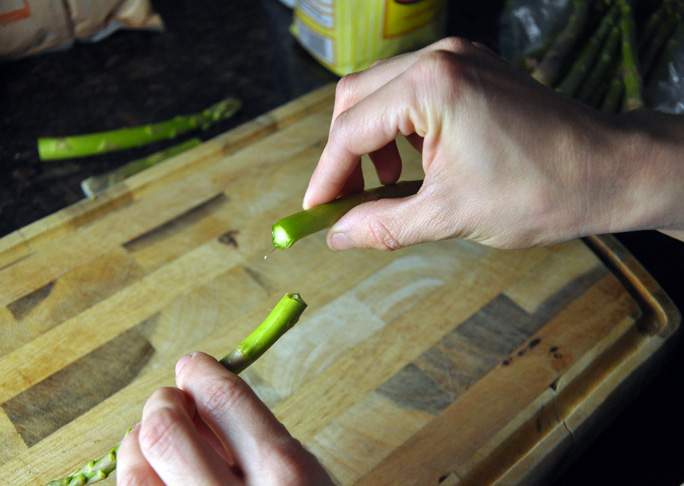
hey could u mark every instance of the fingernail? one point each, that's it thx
(305, 201)
(128, 434)
(340, 242)
(182, 362)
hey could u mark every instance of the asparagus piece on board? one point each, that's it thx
(98, 183)
(53, 148)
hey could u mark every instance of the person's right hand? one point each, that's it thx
(212, 430)
(507, 161)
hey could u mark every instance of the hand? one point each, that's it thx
(507, 161)
(212, 430)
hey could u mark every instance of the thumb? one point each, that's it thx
(390, 224)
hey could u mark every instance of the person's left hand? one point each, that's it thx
(212, 430)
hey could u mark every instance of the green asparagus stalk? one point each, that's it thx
(585, 61)
(98, 183)
(529, 61)
(549, 69)
(652, 26)
(664, 57)
(283, 316)
(93, 472)
(658, 21)
(630, 70)
(596, 84)
(53, 148)
(611, 101)
(304, 223)
(649, 53)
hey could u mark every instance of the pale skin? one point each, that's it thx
(507, 163)
(212, 430)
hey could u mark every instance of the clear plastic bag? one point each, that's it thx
(665, 91)
(526, 24)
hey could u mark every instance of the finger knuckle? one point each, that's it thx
(157, 431)
(341, 129)
(457, 45)
(290, 462)
(440, 68)
(167, 394)
(345, 90)
(379, 62)
(383, 237)
(221, 395)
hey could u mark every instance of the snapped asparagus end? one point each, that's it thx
(281, 238)
(293, 228)
(283, 316)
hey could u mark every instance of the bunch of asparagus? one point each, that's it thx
(609, 69)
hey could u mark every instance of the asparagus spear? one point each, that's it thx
(652, 26)
(98, 183)
(304, 223)
(648, 54)
(662, 63)
(551, 64)
(664, 57)
(612, 99)
(283, 316)
(630, 70)
(529, 61)
(596, 84)
(52, 148)
(658, 21)
(591, 50)
(93, 472)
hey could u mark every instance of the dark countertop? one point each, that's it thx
(212, 50)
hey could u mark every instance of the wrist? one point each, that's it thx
(648, 170)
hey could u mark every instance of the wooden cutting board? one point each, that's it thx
(447, 363)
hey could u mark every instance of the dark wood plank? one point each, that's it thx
(61, 398)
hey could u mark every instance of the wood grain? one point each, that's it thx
(464, 435)
(446, 363)
(30, 238)
(62, 397)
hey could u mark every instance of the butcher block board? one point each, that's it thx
(446, 363)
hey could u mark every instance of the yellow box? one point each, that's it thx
(349, 35)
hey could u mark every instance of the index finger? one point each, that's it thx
(366, 127)
(246, 426)
(354, 87)
(174, 448)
